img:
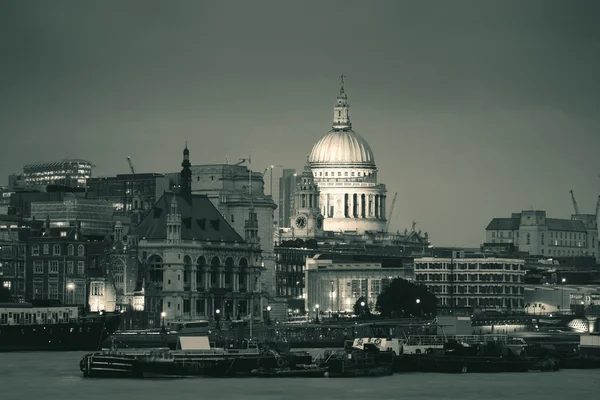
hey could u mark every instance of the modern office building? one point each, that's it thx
(67, 172)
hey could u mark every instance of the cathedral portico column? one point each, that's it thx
(248, 280)
(383, 207)
(376, 206)
(205, 306)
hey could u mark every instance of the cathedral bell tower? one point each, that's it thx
(341, 110)
(307, 221)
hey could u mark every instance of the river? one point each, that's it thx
(50, 376)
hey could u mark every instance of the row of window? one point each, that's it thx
(56, 250)
(553, 234)
(469, 266)
(339, 173)
(463, 289)
(53, 267)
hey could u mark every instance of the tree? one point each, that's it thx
(5, 295)
(405, 299)
(361, 307)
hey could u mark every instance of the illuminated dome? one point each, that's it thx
(342, 147)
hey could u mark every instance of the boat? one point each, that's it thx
(354, 362)
(25, 327)
(158, 337)
(195, 356)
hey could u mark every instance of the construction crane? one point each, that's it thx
(242, 160)
(130, 165)
(575, 206)
(387, 228)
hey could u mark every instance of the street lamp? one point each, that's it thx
(317, 311)
(562, 297)
(268, 315)
(163, 315)
(331, 310)
(418, 301)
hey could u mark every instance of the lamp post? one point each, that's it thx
(562, 286)
(163, 315)
(331, 310)
(218, 318)
(418, 301)
(268, 315)
(362, 309)
(317, 312)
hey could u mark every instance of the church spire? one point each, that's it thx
(186, 172)
(341, 111)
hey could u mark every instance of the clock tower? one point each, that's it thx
(307, 221)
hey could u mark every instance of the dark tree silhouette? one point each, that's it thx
(5, 295)
(359, 309)
(404, 299)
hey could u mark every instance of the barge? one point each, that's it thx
(194, 357)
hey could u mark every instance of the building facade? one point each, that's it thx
(287, 188)
(93, 216)
(125, 190)
(484, 283)
(334, 284)
(344, 168)
(235, 190)
(195, 264)
(58, 263)
(533, 233)
(68, 172)
(12, 262)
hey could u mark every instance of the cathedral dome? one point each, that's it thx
(344, 147)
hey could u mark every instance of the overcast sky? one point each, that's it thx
(474, 109)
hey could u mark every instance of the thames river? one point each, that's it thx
(50, 376)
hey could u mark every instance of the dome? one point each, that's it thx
(342, 147)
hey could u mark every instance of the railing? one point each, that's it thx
(439, 340)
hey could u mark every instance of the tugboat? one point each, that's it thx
(355, 362)
(24, 327)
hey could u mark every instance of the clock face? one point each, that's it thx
(319, 223)
(301, 222)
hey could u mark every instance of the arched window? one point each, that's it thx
(70, 250)
(56, 250)
(46, 249)
(35, 250)
(80, 250)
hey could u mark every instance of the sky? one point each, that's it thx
(474, 109)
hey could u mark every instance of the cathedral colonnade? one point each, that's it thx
(353, 205)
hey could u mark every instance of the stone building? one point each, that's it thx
(307, 220)
(235, 190)
(334, 283)
(344, 168)
(532, 232)
(473, 282)
(195, 263)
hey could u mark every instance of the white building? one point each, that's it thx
(336, 285)
(344, 168)
(486, 283)
(532, 232)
